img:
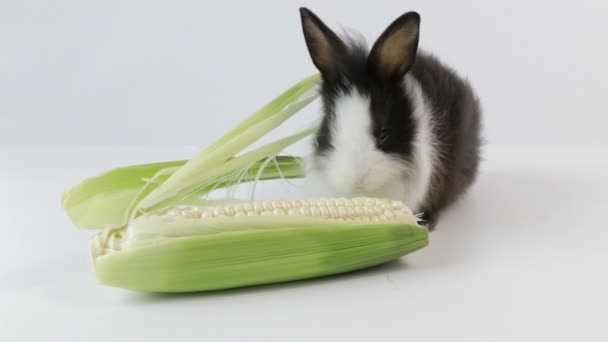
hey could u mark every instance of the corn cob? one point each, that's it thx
(192, 248)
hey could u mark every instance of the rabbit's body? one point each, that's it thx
(397, 123)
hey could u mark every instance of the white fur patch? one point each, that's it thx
(425, 155)
(357, 167)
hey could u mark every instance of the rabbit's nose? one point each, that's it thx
(359, 181)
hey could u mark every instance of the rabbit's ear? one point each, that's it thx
(323, 44)
(394, 52)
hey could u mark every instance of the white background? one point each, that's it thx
(178, 73)
(90, 85)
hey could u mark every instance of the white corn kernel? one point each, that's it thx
(333, 212)
(324, 212)
(173, 212)
(230, 211)
(350, 212)
(194, 214)
(305, 211)
(258, 207)
(359, 209)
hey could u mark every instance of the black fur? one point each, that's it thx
(457, 118)
(455, 109)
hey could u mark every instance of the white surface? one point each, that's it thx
(522, 258)
(117, 72)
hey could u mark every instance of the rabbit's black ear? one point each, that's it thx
(394, 52)
(324, 46)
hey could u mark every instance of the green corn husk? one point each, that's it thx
(199, 255)
(106, 200)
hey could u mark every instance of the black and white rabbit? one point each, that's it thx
(397, 123)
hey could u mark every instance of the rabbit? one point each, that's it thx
(396, 122)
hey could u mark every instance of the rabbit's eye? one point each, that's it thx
(383, 135)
